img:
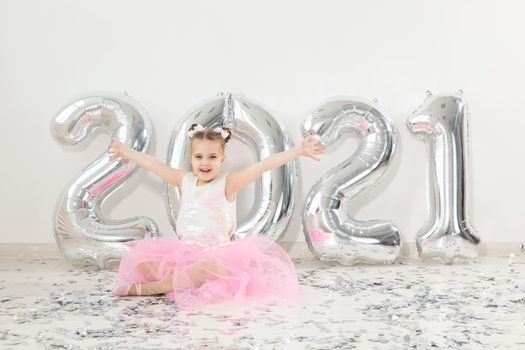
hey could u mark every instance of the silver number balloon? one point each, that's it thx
(256, 128)
(83, 233)
(331, 233)
(442, 122)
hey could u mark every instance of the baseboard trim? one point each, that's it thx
(409, 250)
(295, 249)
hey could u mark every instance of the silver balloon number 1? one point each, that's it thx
(331, 233)
(442, 122)
(82, 232)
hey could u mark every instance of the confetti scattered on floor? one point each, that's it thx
(48, 304)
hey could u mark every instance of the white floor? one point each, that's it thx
(47, 304)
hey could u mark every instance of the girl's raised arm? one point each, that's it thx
(172, 176)
(242, 178)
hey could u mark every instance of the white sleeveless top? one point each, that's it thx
(206, 217)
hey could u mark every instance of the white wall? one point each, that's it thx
(289, 55)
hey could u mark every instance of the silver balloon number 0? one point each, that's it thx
(331, 233)
(83, 233)
(256, 128)
(442, 122)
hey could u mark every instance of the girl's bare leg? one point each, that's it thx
(197, 274)
(208, 269)
(149, 269)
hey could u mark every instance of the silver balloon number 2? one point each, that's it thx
(256, 128)
(83, 233)
(331, 233)
(442, 122)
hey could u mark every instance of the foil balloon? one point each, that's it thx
(83, 233)
(256, 128)
(330, 231)
(442, 122)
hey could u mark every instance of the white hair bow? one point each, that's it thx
(221, 131)
(196, 129)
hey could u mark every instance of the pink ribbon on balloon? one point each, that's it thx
(110, 180)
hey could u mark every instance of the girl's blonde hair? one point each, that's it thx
(209, 134)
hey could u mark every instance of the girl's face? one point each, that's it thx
(206, 159)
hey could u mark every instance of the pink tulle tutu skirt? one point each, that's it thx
(253, 268)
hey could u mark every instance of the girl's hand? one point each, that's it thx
(310, 146)
(118, 150)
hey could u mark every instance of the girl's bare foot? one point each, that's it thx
(150, 288)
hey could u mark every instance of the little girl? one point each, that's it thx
(205, 266)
